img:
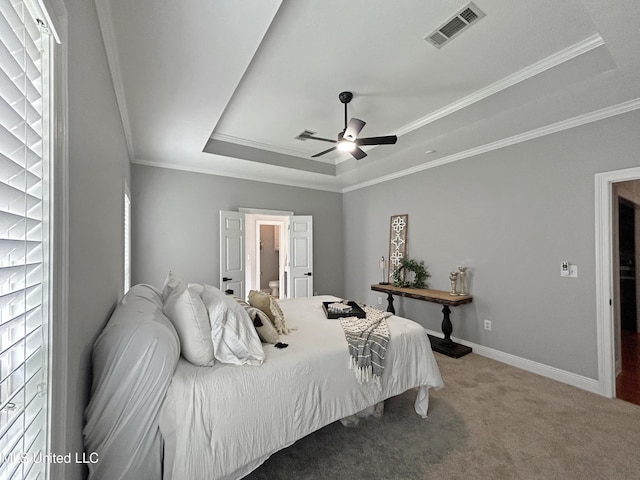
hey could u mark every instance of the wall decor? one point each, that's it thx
(418, 269)
(383, 265)
(397, 243)
(463, 280)
(453, 277)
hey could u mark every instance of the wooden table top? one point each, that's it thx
(426, 294)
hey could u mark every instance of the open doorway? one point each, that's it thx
(270, 263)
(267, 253)
(626, 236)
(607, 269)
(240, 244)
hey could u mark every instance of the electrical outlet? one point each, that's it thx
(487, 324)
(379, 300)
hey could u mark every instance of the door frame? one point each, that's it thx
(253, 215)
(604, 275)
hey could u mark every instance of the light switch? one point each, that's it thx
(568, 270)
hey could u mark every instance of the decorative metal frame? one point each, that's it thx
(397, 242)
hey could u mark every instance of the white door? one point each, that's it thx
(300, 281)
(232, 252)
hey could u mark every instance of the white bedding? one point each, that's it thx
(222, 422)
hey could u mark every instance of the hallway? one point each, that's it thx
(628, 382)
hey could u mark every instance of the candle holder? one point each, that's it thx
(463, 281)
(453, 277)
(382, 267)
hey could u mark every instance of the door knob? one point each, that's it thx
(226, 279)
(308, 274)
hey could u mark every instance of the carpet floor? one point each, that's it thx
(491, 421)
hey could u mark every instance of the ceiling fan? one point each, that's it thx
(348, 140)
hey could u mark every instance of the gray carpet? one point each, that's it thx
(491, 421)
(399, 445)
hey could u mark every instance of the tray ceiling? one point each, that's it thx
(222, 88)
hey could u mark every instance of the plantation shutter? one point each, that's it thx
(23, 242)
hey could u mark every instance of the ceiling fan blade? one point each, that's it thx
(387, 140)
(304, 136)
(358, 154)
(322, 153)
(353, 128)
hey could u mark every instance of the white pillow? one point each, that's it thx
(233, 335)
(184, 307)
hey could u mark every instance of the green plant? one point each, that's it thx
(418, 269)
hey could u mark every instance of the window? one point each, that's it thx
(24, 238)
(127, 240)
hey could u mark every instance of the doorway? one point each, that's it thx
(626, 196)
(627, 265)
(267, 254)
(240, 252)
(607, 295)
(271, 257)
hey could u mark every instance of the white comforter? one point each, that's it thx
(225, 420)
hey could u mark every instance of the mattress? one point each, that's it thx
(222, 422)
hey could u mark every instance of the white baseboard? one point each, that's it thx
(579, 381)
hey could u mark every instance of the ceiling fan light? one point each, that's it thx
(346, 146)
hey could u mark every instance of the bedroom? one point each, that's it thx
(485, 208)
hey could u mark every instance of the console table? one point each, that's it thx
(444, 345)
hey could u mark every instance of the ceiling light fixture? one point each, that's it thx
(348, 140)
(346, 146)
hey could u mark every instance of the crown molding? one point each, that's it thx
(580, 120)
(551, 61)
(558, 58)
(105, 20)
(590, 117)
(265, 146)
(543, 65)
(241, 176)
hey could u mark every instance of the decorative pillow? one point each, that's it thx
(244, 304)
(269, 305)
(184, 307)
(234, 337)
(262, 323)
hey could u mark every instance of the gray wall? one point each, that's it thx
(176, 224)
(98, 168)
(512, 215)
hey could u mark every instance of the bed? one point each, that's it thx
(223, 421)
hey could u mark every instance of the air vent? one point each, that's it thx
(456, 25)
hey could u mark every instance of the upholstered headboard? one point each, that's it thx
(133, 362)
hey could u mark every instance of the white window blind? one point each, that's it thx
(24, 241)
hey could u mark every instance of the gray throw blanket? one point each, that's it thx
(367, 338)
